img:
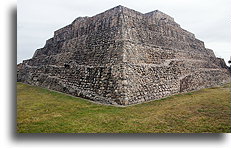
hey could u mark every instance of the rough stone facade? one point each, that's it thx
(123, 57)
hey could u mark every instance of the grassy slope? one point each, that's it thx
(42, 111)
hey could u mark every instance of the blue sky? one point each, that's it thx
(209, 20)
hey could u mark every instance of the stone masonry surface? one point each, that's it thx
(123, 57)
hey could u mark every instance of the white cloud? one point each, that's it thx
(208, 20)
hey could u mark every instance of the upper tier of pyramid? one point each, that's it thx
(103, 39)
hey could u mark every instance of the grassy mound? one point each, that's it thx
(43, 111)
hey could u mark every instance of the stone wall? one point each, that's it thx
(99, 83)
(123, 57)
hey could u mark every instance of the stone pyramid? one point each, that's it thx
(123, 57)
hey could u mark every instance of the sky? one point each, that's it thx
(209, 20)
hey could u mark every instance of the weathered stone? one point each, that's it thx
(123, 57)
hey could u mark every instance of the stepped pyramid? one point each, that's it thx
(123, 57)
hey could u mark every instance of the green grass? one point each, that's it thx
(43, 111)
